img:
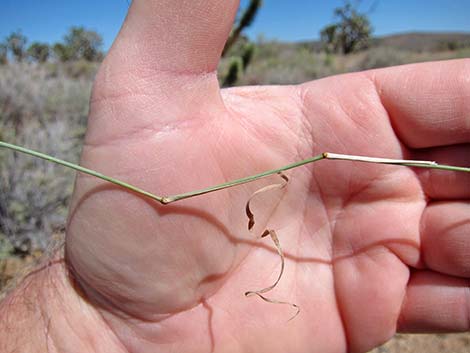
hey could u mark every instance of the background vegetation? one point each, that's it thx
(45, 89)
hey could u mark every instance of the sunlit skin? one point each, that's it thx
(370, 249)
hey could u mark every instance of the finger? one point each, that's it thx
(445, 238)
(161, 69)
(435, 303)
(428, 104)
(369, 289)
(440, 184)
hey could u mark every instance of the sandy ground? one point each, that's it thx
(441, 343)
(448, 343)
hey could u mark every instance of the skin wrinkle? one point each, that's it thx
(388, 249)
(69, 283)
(345, 113)
(422, 231)
(306, 129)
(332, 131)
(401, 319)
(98, 297)
(119, 96)
(256, 95)
(306, 139)
(252, 130)
(135, 329)
(372, 77)
(280, 113)
(151, 128)
(426, 177)
(126, 318)
(443, 231)
(98, 97)
(200, 75)
(339, 306)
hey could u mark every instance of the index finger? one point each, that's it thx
(428, 104)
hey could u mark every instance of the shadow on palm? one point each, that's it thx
(341, 225)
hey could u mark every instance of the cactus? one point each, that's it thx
(234, 71)
(244, 22)
(240, 60)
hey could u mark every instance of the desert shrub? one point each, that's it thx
(34, 192)
(462, 53)
(46, 113)
(384, 57)
(3, 53)
(39, 52)
(80, 69)
(277, 63)
(79, 44)
(29, 93)
(5, 247)
(16, 44)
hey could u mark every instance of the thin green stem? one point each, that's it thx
(240, 181)
(229, 184)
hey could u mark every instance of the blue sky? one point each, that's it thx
(49, 20)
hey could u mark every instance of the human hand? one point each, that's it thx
(172, 278)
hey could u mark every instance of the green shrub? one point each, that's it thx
(39, 52)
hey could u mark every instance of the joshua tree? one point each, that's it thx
(350, 33)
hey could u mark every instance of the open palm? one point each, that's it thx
(172, 278)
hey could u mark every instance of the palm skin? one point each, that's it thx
(172, 278)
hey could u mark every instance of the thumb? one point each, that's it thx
(163, 64)
(184, 37)
(160, 71)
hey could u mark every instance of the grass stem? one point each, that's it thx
(168, 199)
